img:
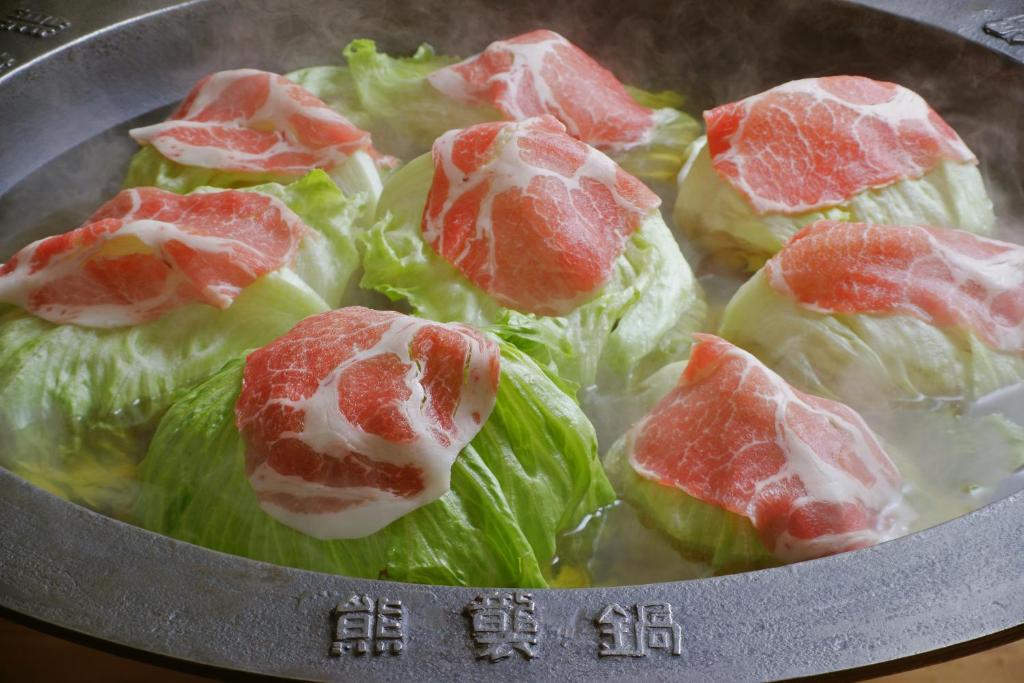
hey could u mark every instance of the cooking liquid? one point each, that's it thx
(951, 465)
(944, 477)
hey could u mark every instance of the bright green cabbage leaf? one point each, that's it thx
(149, 168)
(334, 86)
(531, 474)
(860, 359)
(641, 319)
(711, 211)
(77, 404)
(329, 257)
(395, 92)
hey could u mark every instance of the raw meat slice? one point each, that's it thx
(816, 142)
(148, 251)
(943, 277)
(254, 121)
(529, 214)
(806, 471)
(355, 417)
(543, 73)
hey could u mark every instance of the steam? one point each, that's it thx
(62, 194)
(713, 52)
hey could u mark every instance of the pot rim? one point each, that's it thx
(932, 595)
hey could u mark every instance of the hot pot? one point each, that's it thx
(75, 78)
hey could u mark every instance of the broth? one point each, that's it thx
(941, 482)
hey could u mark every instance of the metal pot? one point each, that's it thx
(74, 79)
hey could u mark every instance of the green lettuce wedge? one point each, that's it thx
(641, 319)
(699, 531)
(660, 158)
(725, 542)
(357, 175)
(531, 474)
(711, 211)
(862, 358)
(953, 463)
(392, 98)
(78, 404)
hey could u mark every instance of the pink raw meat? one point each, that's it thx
(355, 417)
(148, 251)
(817, 142)
(808, 472)
(944, 277)
(543, 73)
(255, 121)
(529, 214)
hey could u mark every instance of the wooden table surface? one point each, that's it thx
(29, 655)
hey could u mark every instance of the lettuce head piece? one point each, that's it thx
(835, 148)
(247, 127)
(741, 470)
(864, 313)
(405, 104)
(640, 319)
(530, 474)
(956, 464)
(699, 532)
(391, 96)
(909, 325)
(78, 403)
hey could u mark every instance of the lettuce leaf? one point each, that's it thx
(78, 404)
(336, 88)
(329, 257)
(390, 97)
(150, 168)
(642, 318)
(530, 474)
(399, 99)
(709, 210)
(860, 359)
